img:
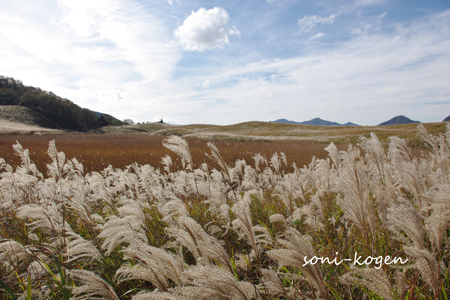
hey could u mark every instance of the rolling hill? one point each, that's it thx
(46, 109)
(315, 121)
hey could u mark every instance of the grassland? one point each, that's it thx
(121, 146)
(97, 151)
(225, 224)
(271, 131)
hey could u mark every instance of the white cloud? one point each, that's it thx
(309, 22)
(81, 16)
(234, 31)
(205, 29)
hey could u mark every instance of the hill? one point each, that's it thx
(446, 119)
(264, 131)
(49, 110)
(315, 121)
(399, 120)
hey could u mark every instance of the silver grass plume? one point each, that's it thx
(429, 140)
(412, 180)
(167, 162)
(375, 280)
(13, 254)
(203, 180)
(153, 265)
(46, 218)
(427, 265)
(277, 218)
(259, 159)
(243, 225)
(297, 247)
(324, 176)
(55, 169)
(181, 148)
(223, 284)
(27, 167)
(237, 173)
(250, 177)
(405, 217)
(93, 286)
(333, 153)
(205, 248)
(437, 218)
(173, 208)
(78, 248)
(354, 185)
(374, 153)
(100, 188)
(276, 161)
(313, 212)
(288, 192)
(226, 170)
(121, 230)
(317, 178)
(204, 283)
(272, 284)
(399, 150)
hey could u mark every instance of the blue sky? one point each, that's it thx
(226, 62)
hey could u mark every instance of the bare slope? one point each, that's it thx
(22, 120)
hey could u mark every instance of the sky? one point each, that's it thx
(227, 62)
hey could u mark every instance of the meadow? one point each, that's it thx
(164, 217)
(98, 151)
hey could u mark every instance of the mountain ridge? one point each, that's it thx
(397, 120)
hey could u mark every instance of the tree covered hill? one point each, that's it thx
(55, 112)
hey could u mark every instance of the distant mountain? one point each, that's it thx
(319, 121)
(447, 119)
(315, 121)
(399, 120)
(285, 121)
(50, 110)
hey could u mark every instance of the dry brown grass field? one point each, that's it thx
(97, 151)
